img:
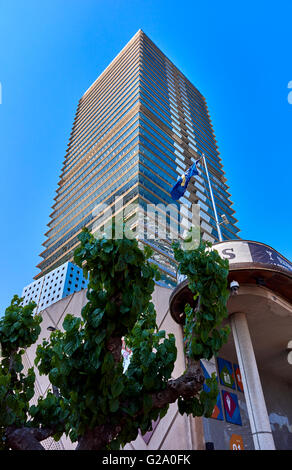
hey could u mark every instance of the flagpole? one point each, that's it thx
(212, 199)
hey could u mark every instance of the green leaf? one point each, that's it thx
(71, 346)
(196, 348)
(204, 335)
(117, 388)
(149, 382)
(114, 405)
(147, 403)
(54, 373)
(96, 317)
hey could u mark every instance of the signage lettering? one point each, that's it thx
(228, 255)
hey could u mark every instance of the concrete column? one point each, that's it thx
(253, 392)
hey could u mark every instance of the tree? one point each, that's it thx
(98, 404)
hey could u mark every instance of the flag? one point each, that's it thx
(181, 185)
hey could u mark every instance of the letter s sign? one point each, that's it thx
(227, 254)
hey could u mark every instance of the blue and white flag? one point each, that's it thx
(180, 186)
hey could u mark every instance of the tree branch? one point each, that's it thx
(98, 437)
(186, 386)
(25, 438)
(114, 345)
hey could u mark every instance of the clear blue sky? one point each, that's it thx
(237, 53)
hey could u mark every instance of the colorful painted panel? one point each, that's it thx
(208, 368)
(236, 442)
(231, 408)
(238, 377)
(226, 373)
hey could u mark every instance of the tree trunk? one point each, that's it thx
(27, 438)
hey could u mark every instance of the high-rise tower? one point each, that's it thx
(138, 126)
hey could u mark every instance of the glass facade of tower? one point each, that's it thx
(139, 126)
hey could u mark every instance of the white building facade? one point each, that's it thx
(54, 286)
